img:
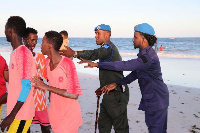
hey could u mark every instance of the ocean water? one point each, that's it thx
(180, 58)
(171, 47)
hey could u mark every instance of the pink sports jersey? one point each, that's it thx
(22, 66)
(64, 113)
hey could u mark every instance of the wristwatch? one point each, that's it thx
(123, 88)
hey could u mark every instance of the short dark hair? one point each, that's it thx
(28, 31)
(65, 33)
(18, 24)
(55, 39)
(150, 38)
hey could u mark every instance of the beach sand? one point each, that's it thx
(184, 108)
(184, 111)
(183, 116)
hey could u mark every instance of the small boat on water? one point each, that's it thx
(171, 38)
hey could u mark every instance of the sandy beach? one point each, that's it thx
(184, 111)
(184, 108)
(183, 117)
(131, 26)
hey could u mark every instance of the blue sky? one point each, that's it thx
(171, 18)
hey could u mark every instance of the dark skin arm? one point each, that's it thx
(9, 119)
(108, 88)
(90, 64)
(62, 92)
(100, 53)
(6, 75)
(68, 52)
(3, 98)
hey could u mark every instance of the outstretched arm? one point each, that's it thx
(68, 52)
(130, 65)
(141, 63)
(90, 63)
(100, 53)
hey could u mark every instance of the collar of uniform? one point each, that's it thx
(144, 51)
(105, 43)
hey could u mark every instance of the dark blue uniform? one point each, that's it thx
(155, 96)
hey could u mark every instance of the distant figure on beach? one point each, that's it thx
(161, 48)
(113, 112)
(156, 47)
(146, 68)
(41, 116)
(20, 102)
(64, 111)
(65, 39)
(4, 77)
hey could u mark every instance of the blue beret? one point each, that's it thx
(145, 28)
(102, 27)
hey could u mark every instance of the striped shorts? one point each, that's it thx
(20, 126)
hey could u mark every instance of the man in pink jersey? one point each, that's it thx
(64, 111)
(20, 102)
(41, 117)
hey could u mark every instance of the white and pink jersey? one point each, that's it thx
(22, 66)
(39, 94)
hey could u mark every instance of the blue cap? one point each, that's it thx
(102, 27)
(145, 28)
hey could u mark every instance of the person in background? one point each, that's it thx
(156, 47)
(64, 111)
(64, 35)
(161, 48)
(20, 102)
(113, 109)
(146, 68)
(41, 116)
(4, 77)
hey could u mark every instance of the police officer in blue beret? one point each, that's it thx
(146, 68)
(113, 109)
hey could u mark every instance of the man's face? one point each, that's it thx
(7, 33)
(100, 37)
(63, 36)
(31, 41)
(44, 46)
(137, 39)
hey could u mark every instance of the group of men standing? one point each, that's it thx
(113, 109)
(146, 68)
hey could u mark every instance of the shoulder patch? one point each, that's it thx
(105, 46)
(144, 59)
